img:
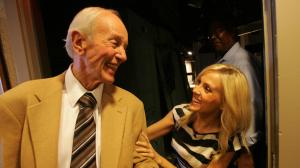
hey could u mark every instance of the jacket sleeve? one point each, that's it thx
(138, 160)
(10, 135)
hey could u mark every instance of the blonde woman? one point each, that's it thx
(209, 129)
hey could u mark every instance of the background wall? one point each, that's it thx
(24, 50)
(288, 45)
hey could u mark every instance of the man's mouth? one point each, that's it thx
(112, 66)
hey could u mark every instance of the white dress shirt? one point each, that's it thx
(72, 92)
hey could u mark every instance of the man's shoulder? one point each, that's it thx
(121, 93)
(240, 59)
(31, 86)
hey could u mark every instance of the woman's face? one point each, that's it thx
(207, 94)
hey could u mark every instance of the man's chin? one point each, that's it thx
(107, 77)
(109, 80)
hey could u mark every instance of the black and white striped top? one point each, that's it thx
(194, 149)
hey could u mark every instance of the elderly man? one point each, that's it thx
(78, 118)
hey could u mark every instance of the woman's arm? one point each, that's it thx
(222, 162)
(161, 127)
(245, 160)
(145, 149)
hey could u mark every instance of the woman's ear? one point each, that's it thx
(78, 42)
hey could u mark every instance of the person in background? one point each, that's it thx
(78, 118)
(224, 39)
(211, 127)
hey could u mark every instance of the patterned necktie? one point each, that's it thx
(84, 141)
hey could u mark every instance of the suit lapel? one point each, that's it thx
(113, 120)
(43, 120)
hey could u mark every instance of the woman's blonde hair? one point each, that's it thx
(236, 107)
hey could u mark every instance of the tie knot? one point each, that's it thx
(87, 100)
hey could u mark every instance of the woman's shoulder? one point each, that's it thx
(180, 110)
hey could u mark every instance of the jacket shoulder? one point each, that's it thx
(32, 86)
(17, 99)
(121, 93)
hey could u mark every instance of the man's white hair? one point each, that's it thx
(83, 22)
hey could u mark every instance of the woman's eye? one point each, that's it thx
(207, 88)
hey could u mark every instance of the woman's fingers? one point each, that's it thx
(149, 155)
(142, 144)
(145, 152)
(144, 148)
(145, 136)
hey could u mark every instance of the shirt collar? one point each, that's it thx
(75, 90)
(231, 51)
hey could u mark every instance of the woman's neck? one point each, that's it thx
(206, 123)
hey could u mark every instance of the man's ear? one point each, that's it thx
(78, 42)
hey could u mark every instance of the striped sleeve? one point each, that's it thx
(179, 111)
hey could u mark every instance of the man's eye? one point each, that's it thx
(114, 43)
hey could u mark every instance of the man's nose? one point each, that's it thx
(121, 54)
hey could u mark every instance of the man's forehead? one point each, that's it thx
(217, 26)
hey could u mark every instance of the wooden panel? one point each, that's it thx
(3, 72)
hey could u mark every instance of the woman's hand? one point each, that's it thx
(145, 149)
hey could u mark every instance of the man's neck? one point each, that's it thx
(87, 83)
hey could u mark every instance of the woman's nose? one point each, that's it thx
(197, 89)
